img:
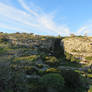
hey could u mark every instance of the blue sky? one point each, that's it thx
(46, 17)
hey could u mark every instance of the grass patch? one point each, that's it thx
(90, 90)
(31, 58)
(89, 58)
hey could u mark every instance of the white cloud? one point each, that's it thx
(16, 15)
(27, 8)
(86, 29)
(29, 20)
(12, 28)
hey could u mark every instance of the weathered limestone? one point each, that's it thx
(78, 46)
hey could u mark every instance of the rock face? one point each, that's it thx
(35, 43)
(78, 46)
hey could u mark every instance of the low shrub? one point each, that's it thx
(39, 65)
(74, 82)
(52, 70)
(31, 58)
(51, 60)
(89, 58)
(52, 80)
(3, 51)
(89, 76)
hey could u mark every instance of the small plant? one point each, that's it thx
(3, 51)
(52, 70)
(51, 60)
(39, 65)
(90, 90)
(89, 58)
(52, 80)
(89, 76)
(71, 58)
(74, 50)
(31, 58)
(89, 70)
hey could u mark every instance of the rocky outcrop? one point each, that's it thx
(35, 43)
(78, 46)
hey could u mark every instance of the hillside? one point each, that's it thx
(29, 62)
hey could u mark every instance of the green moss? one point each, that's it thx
(74, 50)
(89, 75)
(31, 58)
(52, 70)
(89, 58)
(39, 65)
(68, 56)
(89, 70)
(90, 90)
(3, 51)
(51, 60)
(53, 80)
(71, 58)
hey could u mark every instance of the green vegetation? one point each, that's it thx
(2, 51)
(20, 82)
(74, 81)
(27, 58)
(51, 60)
(89, 76)
(52, 80)
(52, 70)
(88, 58)
(90, 90)
(71, 58)
(34, 63)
